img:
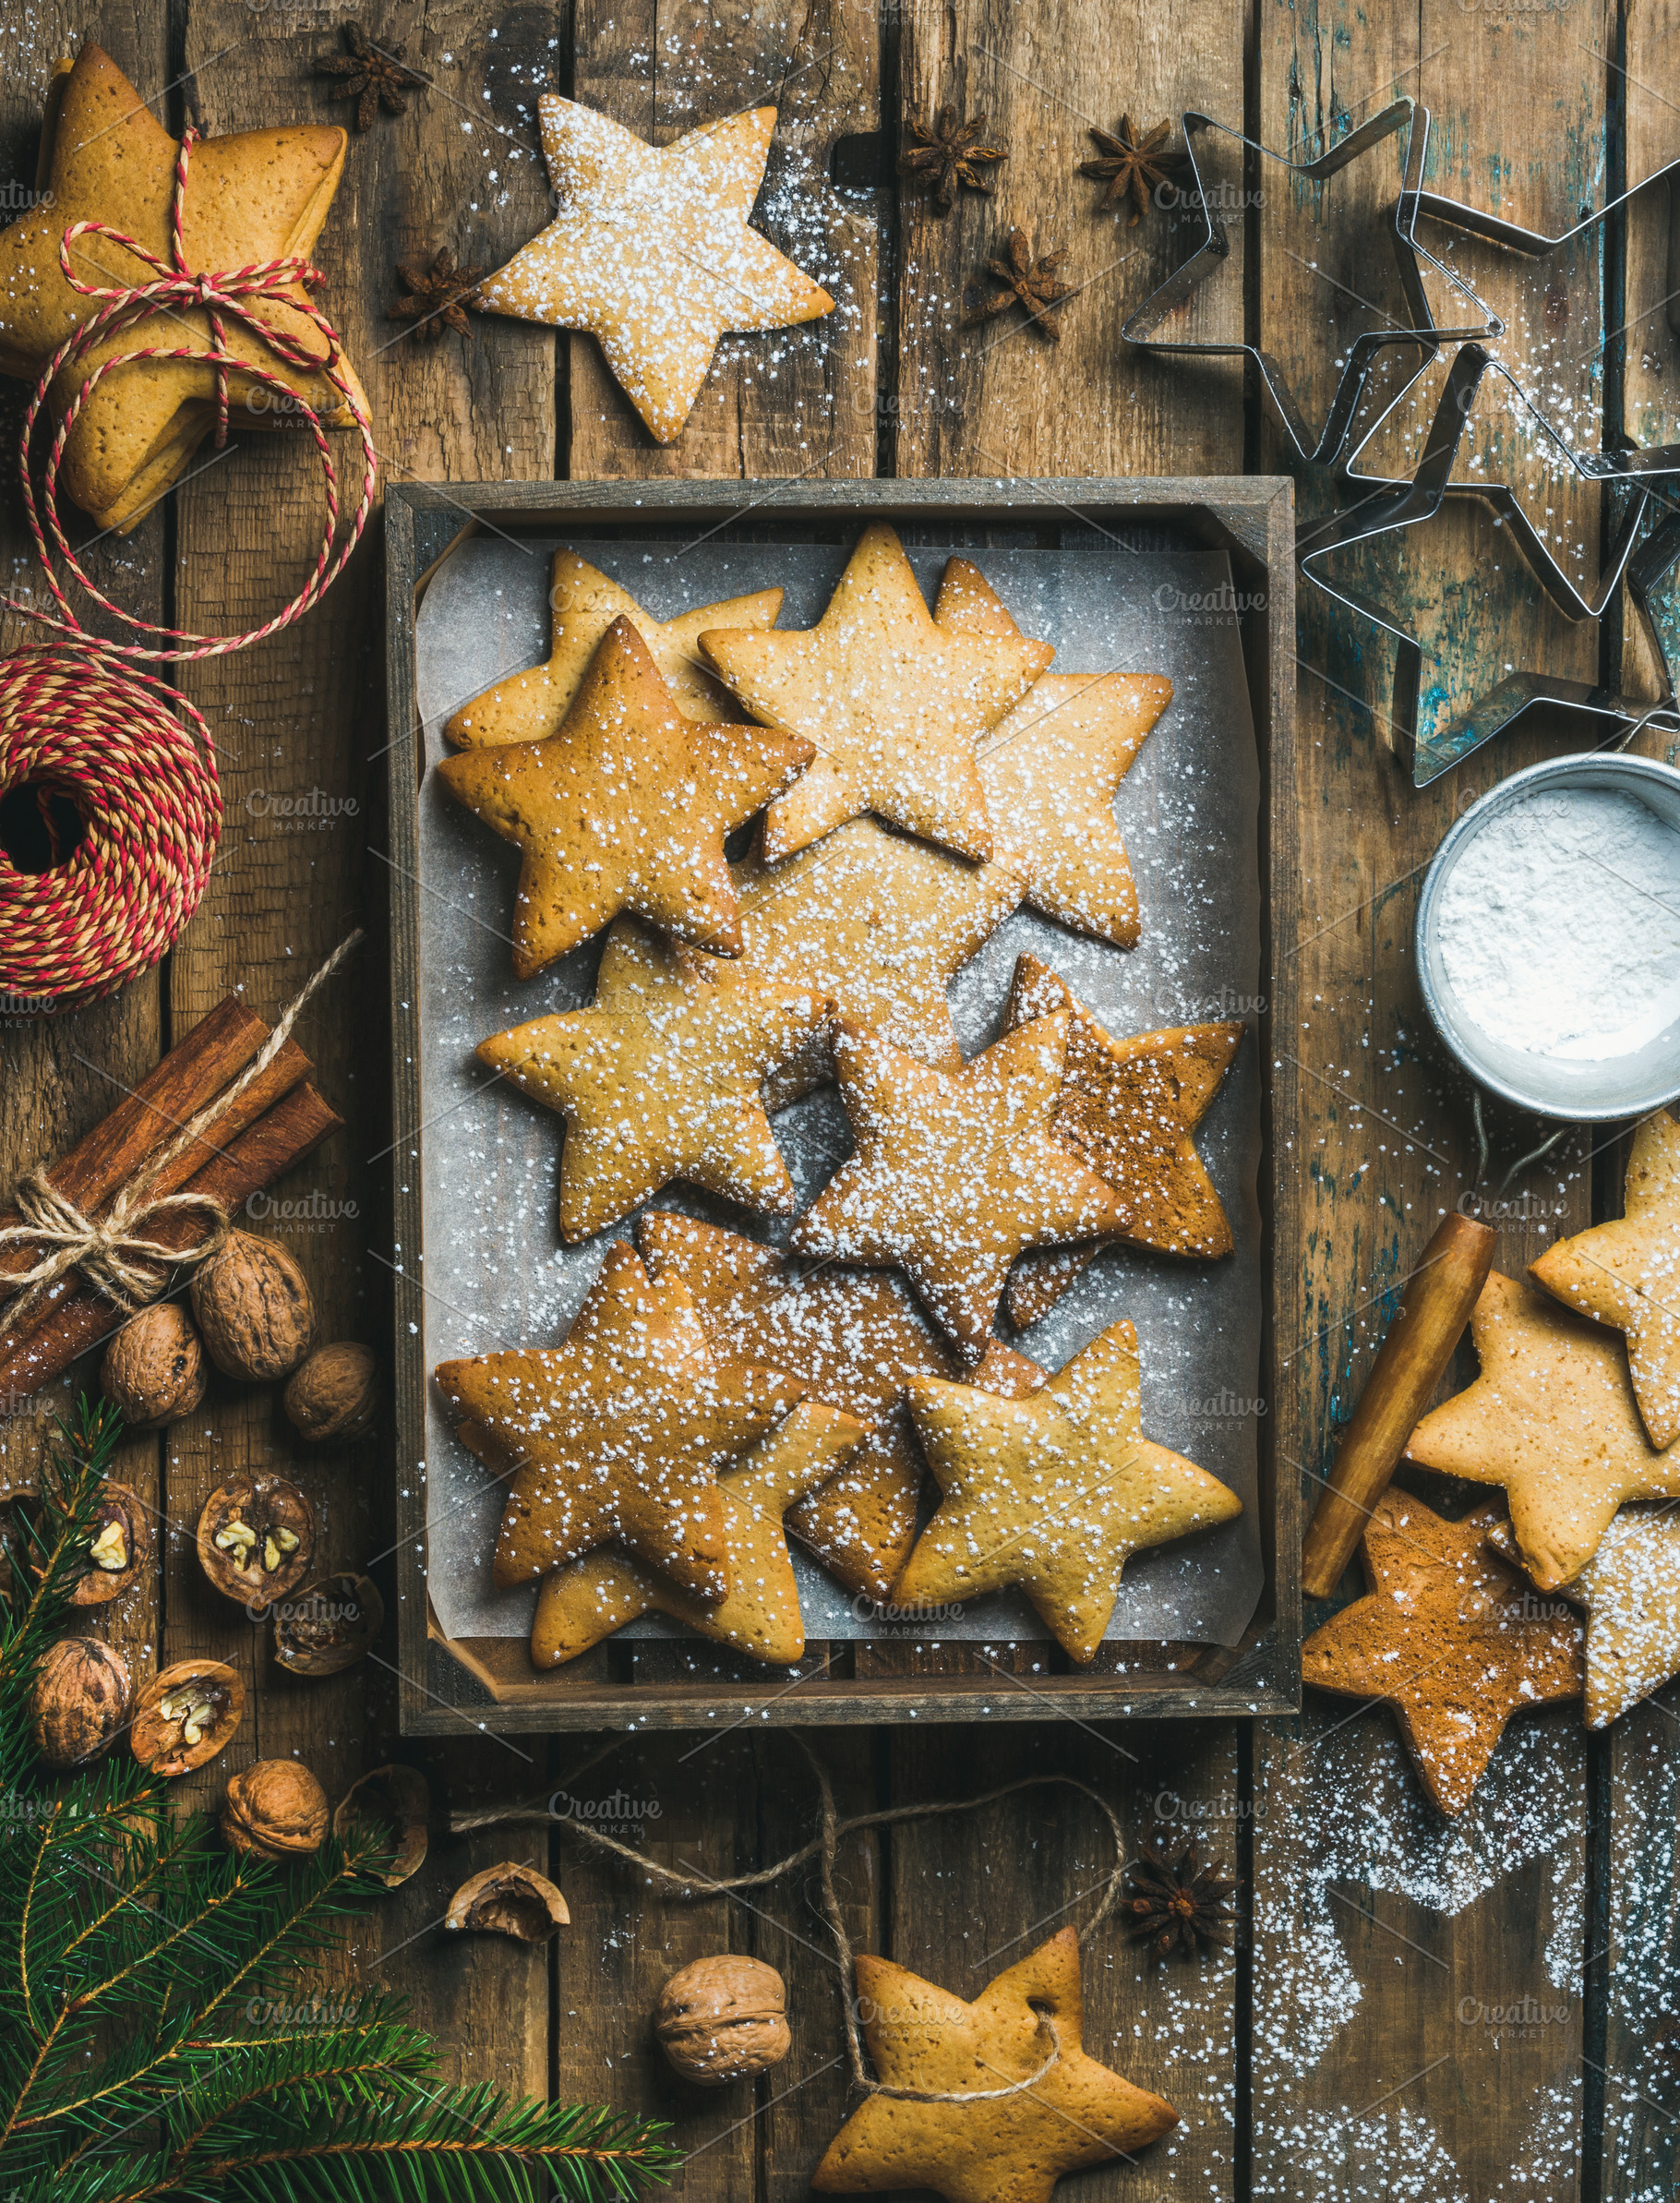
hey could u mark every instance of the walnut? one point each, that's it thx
(275, 1809)
(391, 1805)
(510, 1899)
(723, 2020)
(154, 1372)
(335, 1395)
(256, 1539)
(254, 1309)
(327, 1626)
(186, 1716)
(121, 1547)
(79, 1701)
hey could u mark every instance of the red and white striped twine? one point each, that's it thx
(80, 717)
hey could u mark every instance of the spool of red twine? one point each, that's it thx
(81, 722)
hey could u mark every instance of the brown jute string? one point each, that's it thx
(116, 1256)
(823, 1848)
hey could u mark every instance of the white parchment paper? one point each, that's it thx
(494, 1272)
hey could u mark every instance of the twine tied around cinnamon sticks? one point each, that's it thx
(115, 1254)
(823, 1847)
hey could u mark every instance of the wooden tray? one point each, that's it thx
(449, 1687)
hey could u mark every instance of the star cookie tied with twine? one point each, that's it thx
(858, 1340)
(1551, 1417)
(660, 1079)
(1450, 1637)
(956, 1174)
(618, 1433)
(759, 1613)
(625, 807)
(1054, 1492)
(890, 697)
(650, 251)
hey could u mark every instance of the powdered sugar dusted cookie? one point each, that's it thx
(650, 249)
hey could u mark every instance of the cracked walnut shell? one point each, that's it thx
(253, 1307)
(121, 1547)
(723, 2020)
(334, 1396)
(154, 1370)
(510, 1899)
(79, 1702)
(391, 1805)
(329, 1625)
(186, 1716)
(256, 1539)
(275, 1809)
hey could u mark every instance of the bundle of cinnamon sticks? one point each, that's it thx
(275, 1122)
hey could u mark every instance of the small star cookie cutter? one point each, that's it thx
(1319, 447)
(1429, 753)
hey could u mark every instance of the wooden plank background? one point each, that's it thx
(1345, 2051)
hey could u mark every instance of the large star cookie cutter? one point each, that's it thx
(1318, 447)
(1428, 752)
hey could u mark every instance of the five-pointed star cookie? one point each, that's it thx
(1128, 1108)
(956, 1174)
(619, 1433)
(529, 707)
(660, 1079)
(759, 1613)
(893, 701)
(262, 195)
(624, 808)
(1054, 1492)
(882, 922)
(1008, 2150)
(1450, 1637)
(1552, 1418)
(857, 1339)
(650, 251)
(1630, 1591)
(1627, 1273)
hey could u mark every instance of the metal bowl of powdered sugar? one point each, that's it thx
(1548, 937)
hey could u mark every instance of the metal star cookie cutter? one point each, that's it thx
(1429, 754)
(1318, 447)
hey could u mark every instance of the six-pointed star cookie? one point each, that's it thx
(618, 1433)
(1054, 1492)
(956, 1174)
(624, 809)
(1011, 2148)
(1627, 1273)
(660, 1079)
(262, 195)
(1128, 1108)
(882, 922)
(1552, 1418)
(1630, 1591)
(650, 251)
(1448, 1636)
(857, 1339)
(893, 701)
(759, 1613)
(528, 706)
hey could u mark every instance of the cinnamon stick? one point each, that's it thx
(1440, 1294)
(292, 1128)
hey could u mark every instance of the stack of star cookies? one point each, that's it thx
(1571, 1589)
(910, 778)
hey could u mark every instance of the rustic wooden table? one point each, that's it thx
(1479, 2010)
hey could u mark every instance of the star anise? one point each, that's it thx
(1132, 166)
(438, 295)
(949, 153)
(1179, 1898)
(1027, 282)
(373, 75)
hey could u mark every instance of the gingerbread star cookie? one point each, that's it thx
(1629, 1592)
(624, 808)
(1627, 1273)
(999, 2148)
(1448, 1636)
(1128, 1108)
(759, 1614)
(660, 1079)
(882, 922)
(619, 1433)
(858, 1340)
(650, 251)
(1551, 1417)
(261, 195)
(892, 702)
(529, 707)
(956, 1174)
(1054, 1492)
